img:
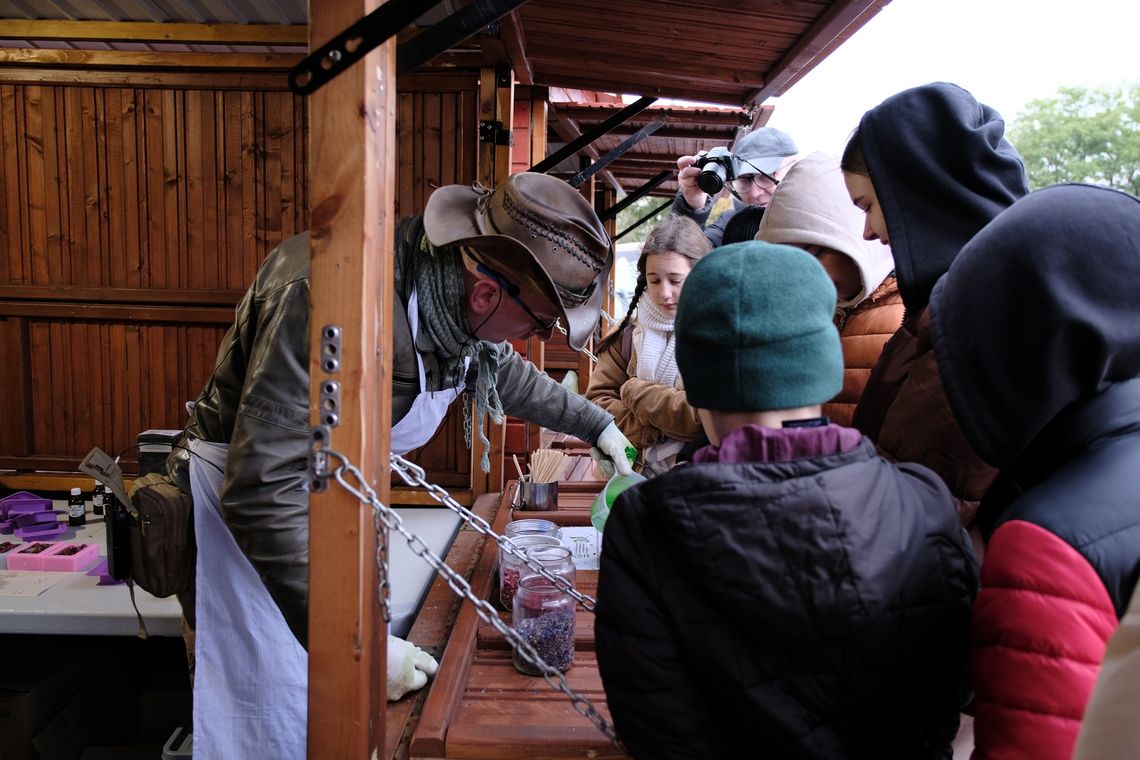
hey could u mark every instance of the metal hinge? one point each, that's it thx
(493, 132)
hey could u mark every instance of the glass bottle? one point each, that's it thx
(97, 499)
(543, 615)
(511, 567)
(76, 508)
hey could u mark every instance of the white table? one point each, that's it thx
(78, 605)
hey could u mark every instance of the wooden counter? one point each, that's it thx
(478, 705)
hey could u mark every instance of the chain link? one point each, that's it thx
(414, 475)
(609, 318)
(586, 351)
(386, 517)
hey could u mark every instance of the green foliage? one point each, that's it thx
(1082, 135)
(638, 209)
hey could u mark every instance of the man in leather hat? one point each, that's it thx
(479, 267)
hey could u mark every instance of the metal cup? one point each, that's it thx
(536, 497)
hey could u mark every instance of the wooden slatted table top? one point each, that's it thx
(480, 706)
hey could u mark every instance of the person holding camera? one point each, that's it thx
(752, 169)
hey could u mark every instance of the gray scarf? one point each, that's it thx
(439, 287)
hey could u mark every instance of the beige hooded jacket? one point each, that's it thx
(811, 207)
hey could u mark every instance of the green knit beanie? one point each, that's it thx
(754, 330)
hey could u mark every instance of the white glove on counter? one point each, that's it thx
(613, 444)
(408, 667)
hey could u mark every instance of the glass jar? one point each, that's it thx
(511, 567)
(531, 526)
(543, 615)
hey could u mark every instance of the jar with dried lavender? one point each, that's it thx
(511, 567)
(543, 615)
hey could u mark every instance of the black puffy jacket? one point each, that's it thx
(814, 608)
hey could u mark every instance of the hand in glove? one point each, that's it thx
(408, 667)
(613, 444)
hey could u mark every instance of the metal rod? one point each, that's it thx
(607, 126)
(450, 32)
(616, 153)
(637, 194)
(348, 47)
(642, 220)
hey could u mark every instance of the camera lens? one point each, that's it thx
(712, 177)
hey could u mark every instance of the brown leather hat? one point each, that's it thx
(536, 230)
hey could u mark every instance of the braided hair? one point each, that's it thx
(676, 234)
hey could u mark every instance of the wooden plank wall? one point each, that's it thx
(131, 222)
(437, 139)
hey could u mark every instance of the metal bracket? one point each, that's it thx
(348, 47)
(330, 348)
(329, 403)
(493, 132)
(320, 441)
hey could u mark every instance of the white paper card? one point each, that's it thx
(585, 544)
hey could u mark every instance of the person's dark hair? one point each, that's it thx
(676, 234)
(853, 161)
(743, 225)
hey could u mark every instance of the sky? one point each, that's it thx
(1006, 52)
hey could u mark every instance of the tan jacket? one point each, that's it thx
(863, 332)
(646, 413)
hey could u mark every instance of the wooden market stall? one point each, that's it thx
(152, 154)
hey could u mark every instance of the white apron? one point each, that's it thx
(429, 407)
(251, 673)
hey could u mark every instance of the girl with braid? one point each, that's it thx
(636, 377)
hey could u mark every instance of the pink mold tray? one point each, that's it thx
(7, 547)
(29, 556)
(53, 557)
(70, 558)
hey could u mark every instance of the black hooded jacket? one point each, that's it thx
(941, 171)
(1036, 329)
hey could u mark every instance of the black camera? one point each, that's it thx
(717, 167)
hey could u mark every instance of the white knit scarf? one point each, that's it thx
(653, 341)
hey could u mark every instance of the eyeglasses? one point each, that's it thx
(512, 292)
(761, 180)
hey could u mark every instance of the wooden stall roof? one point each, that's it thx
(730, 55)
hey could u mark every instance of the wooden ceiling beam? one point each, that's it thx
(146, 31)
(149, 59)
(837, 24)
(626, 84)
(514, 40)
(600, 111)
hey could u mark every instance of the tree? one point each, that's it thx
(636, 210)
(1082, 135)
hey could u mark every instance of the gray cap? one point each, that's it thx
(765, 148)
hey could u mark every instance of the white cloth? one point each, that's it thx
(250, 674)
(653, 339)
(654, 344)
(428, 408)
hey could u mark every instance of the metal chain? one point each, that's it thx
(414, 475)
(586, 351)
(386, 517)
(609, 318)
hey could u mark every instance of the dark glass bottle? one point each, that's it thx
(76, 508)
(98, 499)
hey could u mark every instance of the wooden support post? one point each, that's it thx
(496, 104)
(352, 183)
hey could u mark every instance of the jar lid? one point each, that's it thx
(531, 525)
